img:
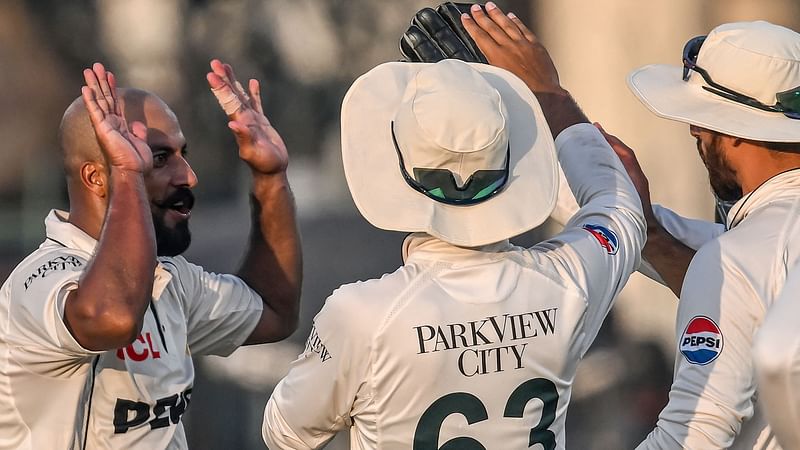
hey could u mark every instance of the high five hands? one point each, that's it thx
(260, 145)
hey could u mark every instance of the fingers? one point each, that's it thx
(227, 99)
(504, 22)
(103, 81)
(482, 39)
(229, 92)
(489, 21)
(255, 94)
(526, 32)
(92, 78)
(96, 113)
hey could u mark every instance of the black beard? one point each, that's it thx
(171, 241)
(720, 174)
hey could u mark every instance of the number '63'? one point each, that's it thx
(426, 436)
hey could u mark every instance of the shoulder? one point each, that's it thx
(49, 262)
(366, 303)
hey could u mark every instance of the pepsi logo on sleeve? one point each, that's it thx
(701, 342)
(607, 238)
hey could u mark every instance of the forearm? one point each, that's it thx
(668, 256)
(107, 309)
(273, 263)
(561, 110)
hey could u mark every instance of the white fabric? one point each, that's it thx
(693, 233)
(732, 280)
(54, 394)
(776, 354)
(757, 59)
(383, 197)
(480, 321)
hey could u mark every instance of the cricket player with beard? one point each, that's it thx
(739, 92)
(98, 326)
(473, 343)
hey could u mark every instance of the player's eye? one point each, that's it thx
(159, 159)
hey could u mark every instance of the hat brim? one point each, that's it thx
(661, 88)
(384, 198)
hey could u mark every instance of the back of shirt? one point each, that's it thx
(467, 348)
(454, 354)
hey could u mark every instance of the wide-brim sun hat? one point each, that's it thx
(756, 59)
(405, 124)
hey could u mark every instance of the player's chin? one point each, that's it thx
(172, 233)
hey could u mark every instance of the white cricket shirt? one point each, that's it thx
(54, 394)
(467, 345)
(776, 354)
(731, 283)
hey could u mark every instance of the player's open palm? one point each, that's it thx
(124, 147)
(260, 145)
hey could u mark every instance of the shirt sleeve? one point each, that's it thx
(317, 397)
(38, 295)
(221, 309)
(776, 354)
(713, 387)
(601, 243)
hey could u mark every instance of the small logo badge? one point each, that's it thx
(607, 238)
(701, 342)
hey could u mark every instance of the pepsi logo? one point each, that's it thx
(607, 238)
(701, 342)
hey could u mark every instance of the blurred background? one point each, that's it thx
(306, 53)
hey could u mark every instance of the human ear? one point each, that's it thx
(94, 178)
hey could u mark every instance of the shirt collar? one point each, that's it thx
(784, 184)
(425, 246)
(61, 231)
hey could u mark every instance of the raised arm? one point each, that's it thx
(107, 308)
(272, 264)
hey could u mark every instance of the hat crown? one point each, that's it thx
(451, 118)
(758, 59)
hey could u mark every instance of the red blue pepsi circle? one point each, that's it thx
(607, 238)
(702, 341)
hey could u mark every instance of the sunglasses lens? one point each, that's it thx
(790, 100)
(442, 184)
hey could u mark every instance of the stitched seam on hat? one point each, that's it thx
(753, 52)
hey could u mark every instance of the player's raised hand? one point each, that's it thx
(124, 147)
(509, 44)
(260, 145)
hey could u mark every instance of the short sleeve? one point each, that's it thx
(221, 309)
(316, 398)
(37, 296)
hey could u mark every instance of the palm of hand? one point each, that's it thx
(260, 145)
(122, 148)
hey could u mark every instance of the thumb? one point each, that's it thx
(240, 132)
(139, 130)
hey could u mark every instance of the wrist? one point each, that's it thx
(264, 183)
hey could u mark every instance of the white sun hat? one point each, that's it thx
(755, 59)
(448, 116)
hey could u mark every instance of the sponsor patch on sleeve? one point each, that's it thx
(607, 238)
(702, 341)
